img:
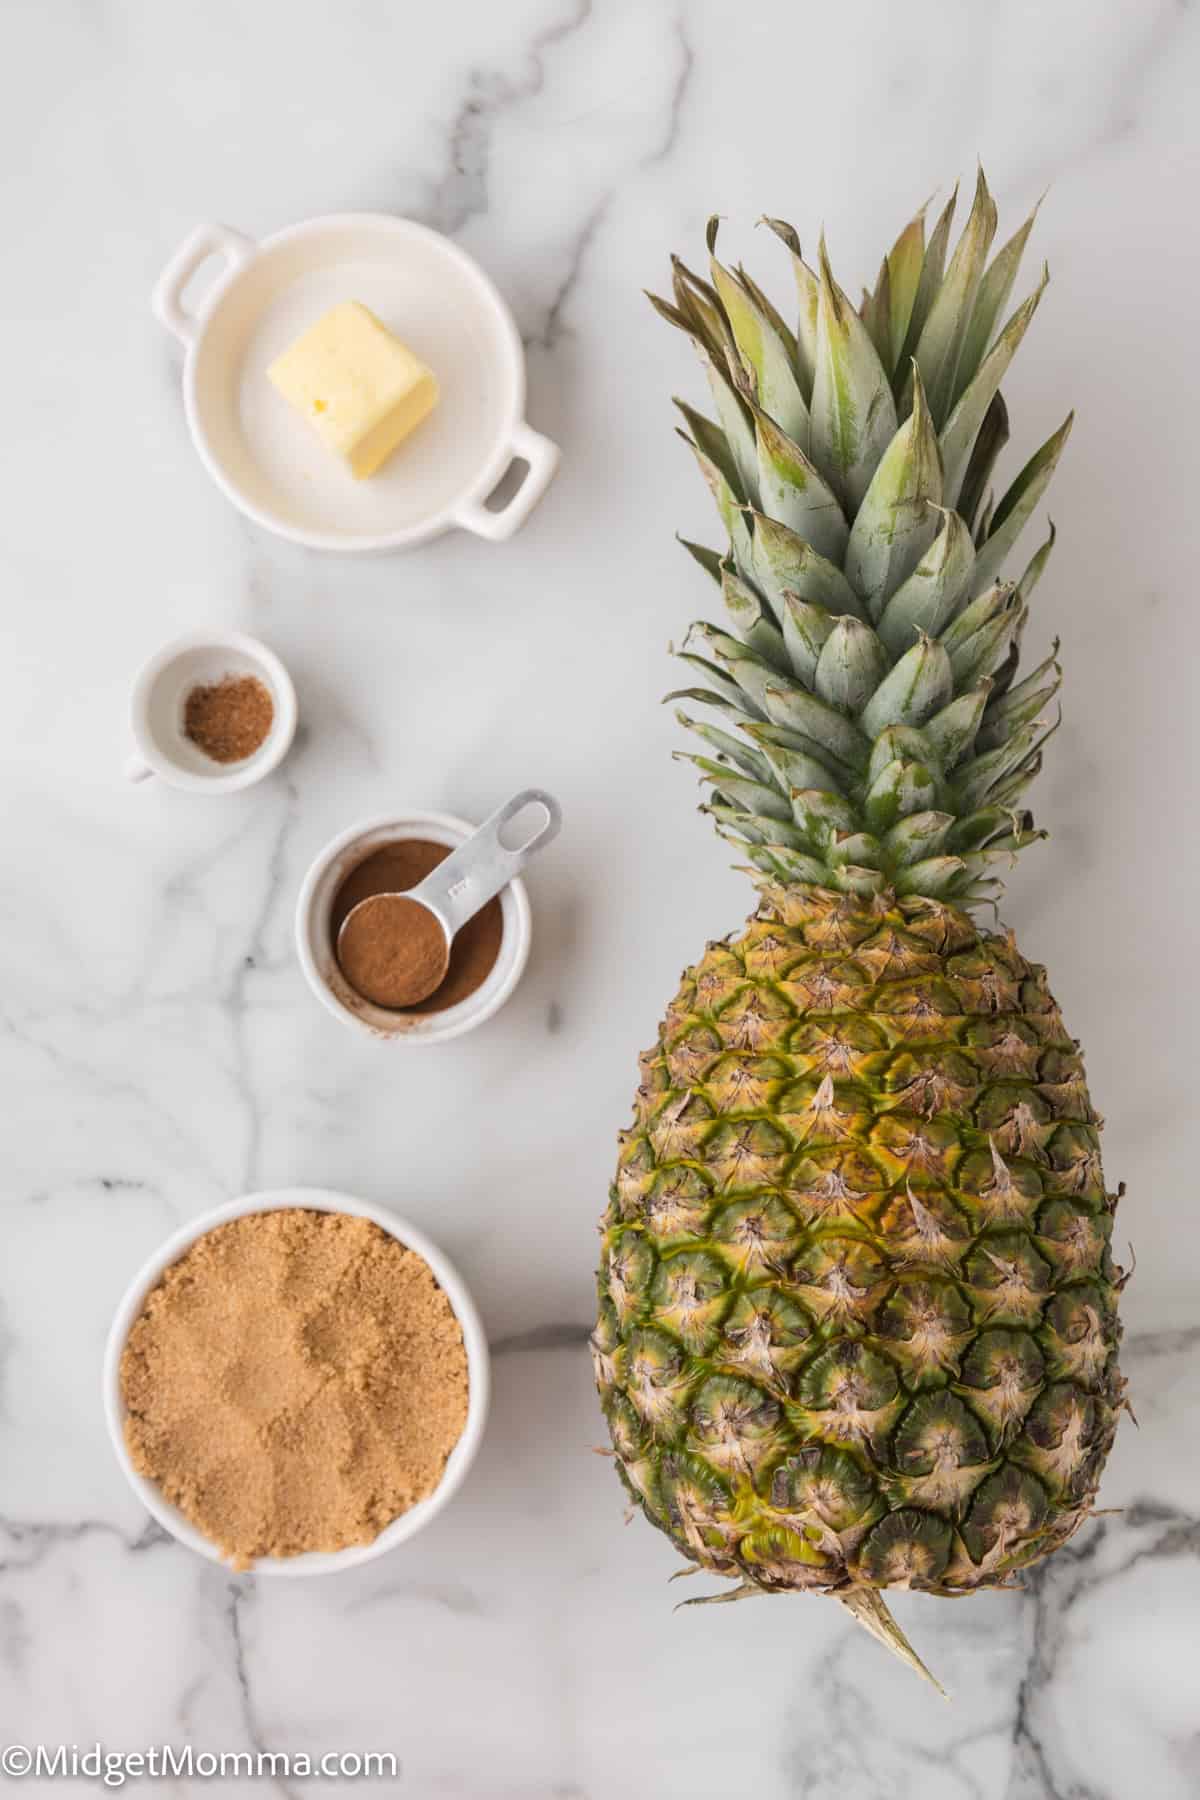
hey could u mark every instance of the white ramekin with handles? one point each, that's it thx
(436, 299)
(313, 1562)
(314, 938)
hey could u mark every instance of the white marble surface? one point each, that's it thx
(161, 1053)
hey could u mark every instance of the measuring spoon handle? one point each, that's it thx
(478, 869)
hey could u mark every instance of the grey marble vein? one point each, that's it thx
(29, 1541)
(463, 190)
(239, 1597)
(16, 1636)
(597, 215)
(542, 1338)
(246, 966)
(451, 1597)
(1148, 1346)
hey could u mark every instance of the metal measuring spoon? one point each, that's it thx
(394, 949)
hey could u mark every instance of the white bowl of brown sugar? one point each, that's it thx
(391, 854)
(296, 1383)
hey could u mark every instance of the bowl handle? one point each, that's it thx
(207, 240)
(542, 457)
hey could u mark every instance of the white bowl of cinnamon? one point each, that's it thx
(390, 854)
(296, 1383)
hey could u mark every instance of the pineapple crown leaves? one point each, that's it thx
(875, 736)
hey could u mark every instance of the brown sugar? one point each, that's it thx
(393, 950)
(230, 718)
(295, 1382)
(392, 869)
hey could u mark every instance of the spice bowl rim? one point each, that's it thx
(412, 1028)
(407, 1524)
(150, 759)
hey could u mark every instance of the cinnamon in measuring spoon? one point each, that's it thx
(394, 868)
(393, 950)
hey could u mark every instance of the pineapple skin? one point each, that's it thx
(858, 1321)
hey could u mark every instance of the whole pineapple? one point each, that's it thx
(857, 1305)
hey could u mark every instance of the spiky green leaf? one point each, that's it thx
(994, 290)
(1012, 514)
(728, 503)
(753, 828)
(853, 412)
(793, 769)
(749, 671)
(680, 320)
(981, 778)
(1036, 566)
(920, 683)
(788, 865)
(710, 561)
(927, 600)
(805, 629)
(771, 313)
(710, 440)
(820, 814)
(765, 356)
(852, 879)
(904, 262)
(998, 727)
(830, 772)
(976, 830)
(749, 796)
(794, 491)
(808, 290)
(855, 849)
(784, 563)
(933, 265)
(697, 299)
(965, 423)
(876, 315)
(738, 428)
(851, 665)
(751, 762)
(920, 835)
(953, 731)
(897, 520)
(983, 653)
(944, 332)
(792, 706)
(993, 435)
(900, 744)
(900, 790)
(746, 615)
(720, 692)
(1018, 705)
(934, 879)
(1007, 793)
(977, 613)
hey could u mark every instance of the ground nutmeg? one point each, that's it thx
(230, 718)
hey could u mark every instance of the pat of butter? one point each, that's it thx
(359, 387)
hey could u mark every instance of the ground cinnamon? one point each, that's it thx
(400, 865)
(230, 718)
(294, 1382)
(393, 951)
